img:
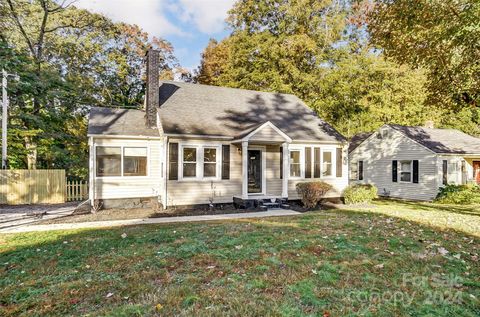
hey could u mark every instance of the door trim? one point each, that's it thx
(263, 151)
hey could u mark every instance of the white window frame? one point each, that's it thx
(333, 163)
(302, 162)
(200, 160)
(121, 161)
(399, 171)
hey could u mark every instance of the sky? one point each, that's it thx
(187, 24)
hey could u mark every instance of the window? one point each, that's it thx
(295, 165)
(189, 162)
(109, 161)
(209, 162)
(406, 171)
(327, 164)
(316, 162)
(360, 170)
(134, 161)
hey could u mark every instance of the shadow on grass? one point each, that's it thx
(67, 272)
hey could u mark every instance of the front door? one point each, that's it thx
(254, 171)
(476, 171)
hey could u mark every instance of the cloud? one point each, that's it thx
(208, 16)
(147, 14)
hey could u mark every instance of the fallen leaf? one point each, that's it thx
(109, 295)
(379, 266)
(124, 235)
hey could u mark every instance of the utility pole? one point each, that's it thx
(4, 118)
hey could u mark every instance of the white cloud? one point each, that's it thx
(207, 15)
(147, 14)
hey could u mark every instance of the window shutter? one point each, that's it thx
(445, 172)
(415, 171)
(226, 161)
(339, 162)
(173, 161)
(281, 162)
(308, 162)
(394, 171)
(316, 162)
(360, 170)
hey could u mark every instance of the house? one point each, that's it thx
(414, 162)
(198, 144)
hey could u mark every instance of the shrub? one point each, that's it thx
(312, 192)
(459, 194)
(359, 193)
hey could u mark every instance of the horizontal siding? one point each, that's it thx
(378, 153)
(274, 183)
(131, 187)
(200, 192)
(267, 133)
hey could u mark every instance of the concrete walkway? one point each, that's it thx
(130, 222)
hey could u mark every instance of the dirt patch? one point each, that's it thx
(142, 213)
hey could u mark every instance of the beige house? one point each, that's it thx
(198, 144)
(414, 162)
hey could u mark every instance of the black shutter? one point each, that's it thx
(308, 162)
(445, 172)
(360, 170)
(281, 162)
(394, 171)
(415, 171)
(173, 161)
(226, 161)
(339, 162)
(316, 162)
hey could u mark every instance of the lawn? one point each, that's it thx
(348, 262)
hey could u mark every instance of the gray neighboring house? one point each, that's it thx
(196, 144)
(414, 162)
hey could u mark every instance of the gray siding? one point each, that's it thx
(386, 145)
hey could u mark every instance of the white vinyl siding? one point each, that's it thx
(131, 186)
(381, 149)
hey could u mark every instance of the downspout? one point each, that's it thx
(92, 171)
(165, 168)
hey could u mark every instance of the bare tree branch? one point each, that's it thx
(20, 26)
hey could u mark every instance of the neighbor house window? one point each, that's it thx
(327, 164)
(405, 171)
(209, 162)
(134, 161)
(360, 170)
(189, 162)
(108, 161)
(295, 165)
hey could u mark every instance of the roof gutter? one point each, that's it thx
(108, 136)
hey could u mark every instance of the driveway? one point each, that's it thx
(12, 217)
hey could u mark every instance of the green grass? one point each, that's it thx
(367, 262)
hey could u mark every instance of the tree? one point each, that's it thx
(441, 36)
(71, 59)
(363, 91)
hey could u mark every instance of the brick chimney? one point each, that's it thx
(151, 94)
(429, 124)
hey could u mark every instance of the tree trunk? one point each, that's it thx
(31, 153)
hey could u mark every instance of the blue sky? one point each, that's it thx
(187, 24)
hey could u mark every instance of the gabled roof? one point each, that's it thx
(441, 141)
(357, 139)
(444, 141)
(201, 110)
(210, 110)
(119, 122)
